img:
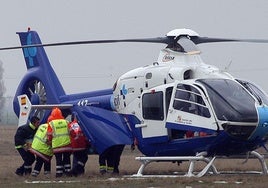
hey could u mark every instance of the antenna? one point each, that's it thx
(226, 68)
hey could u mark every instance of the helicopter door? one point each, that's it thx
(189, 112)
(153, 125)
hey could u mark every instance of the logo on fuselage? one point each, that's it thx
(168, 57)
(30, 53)
(124, 90)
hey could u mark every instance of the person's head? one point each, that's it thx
(56, 113)
(35, 121)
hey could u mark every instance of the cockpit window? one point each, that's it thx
(189, 99)
(231, 101)
(255, 91)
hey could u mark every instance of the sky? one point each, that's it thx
(92, 67)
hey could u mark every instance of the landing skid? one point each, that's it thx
(257, 155)
(200, 157)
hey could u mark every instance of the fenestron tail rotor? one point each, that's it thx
(37, 94)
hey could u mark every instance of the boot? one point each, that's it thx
(20, 171)
(35, 173)
(28, 171)
(58, 175)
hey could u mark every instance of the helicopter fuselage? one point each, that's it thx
(180, 105)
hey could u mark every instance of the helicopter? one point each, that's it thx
(178, 108)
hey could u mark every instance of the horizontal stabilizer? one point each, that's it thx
(26, 107)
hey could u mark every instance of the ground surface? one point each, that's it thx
(10, 160)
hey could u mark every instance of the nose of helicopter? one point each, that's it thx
(250, 131)
(261, 131)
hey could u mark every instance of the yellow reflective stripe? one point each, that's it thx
(110, 169)
(63, 134)
(80, 163)
(41, 133)
(102, 167)
(32, 126)
(52, 126)
(41, 139)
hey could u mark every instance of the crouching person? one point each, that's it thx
(23, 139)
(41, 147)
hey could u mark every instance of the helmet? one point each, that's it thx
(56, 113)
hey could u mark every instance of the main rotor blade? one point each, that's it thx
(164, 40)
(200, 40)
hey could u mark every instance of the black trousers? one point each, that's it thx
(28, 159)
(111, 157)
(106, 158)
(63, 162)
(39, 163)
(80, 157)
(117, 152)
(79, 161)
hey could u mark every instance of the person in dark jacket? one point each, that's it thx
(109, 160)
(23, 139)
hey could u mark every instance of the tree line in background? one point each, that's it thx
(2, 90)
(7, 115)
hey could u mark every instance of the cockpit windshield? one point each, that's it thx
(255, 91)
(231, 101)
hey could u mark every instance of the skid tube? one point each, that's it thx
(209, 168)
(252, 155)
(192, 159)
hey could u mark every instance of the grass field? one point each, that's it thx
(10, 160)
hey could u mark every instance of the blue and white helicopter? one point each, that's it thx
(178, 108)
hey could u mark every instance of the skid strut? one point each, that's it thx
(192, 159)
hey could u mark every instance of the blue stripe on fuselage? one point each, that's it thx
(262, 129)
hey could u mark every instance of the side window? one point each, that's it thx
(189, 99)
(152, 106)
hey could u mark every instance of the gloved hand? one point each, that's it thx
(27, 146)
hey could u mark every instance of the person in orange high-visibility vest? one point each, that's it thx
(80, 145)
(58, 134)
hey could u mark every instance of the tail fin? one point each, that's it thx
(40, 82)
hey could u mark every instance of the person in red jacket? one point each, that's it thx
(80, 145)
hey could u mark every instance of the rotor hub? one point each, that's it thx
(182, 32)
